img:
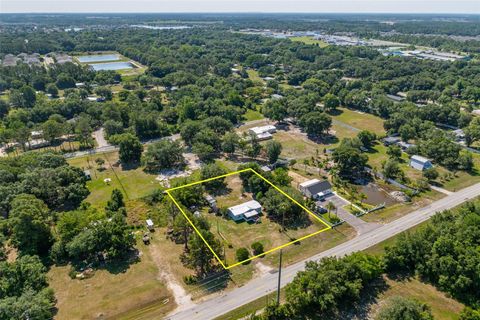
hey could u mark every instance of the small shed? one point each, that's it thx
(87, 174)
(150, 225)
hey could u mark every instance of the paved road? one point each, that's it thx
(261, 286)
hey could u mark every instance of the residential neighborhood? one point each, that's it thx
(239, 165)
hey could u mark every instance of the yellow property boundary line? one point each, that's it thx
(226, 267)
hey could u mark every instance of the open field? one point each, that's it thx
(310, 40)
(310, 246)
(360, 120)
(297, 145)
(134, 183)
(113, 294)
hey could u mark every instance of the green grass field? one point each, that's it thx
(134, 183)
(361, 120)
(252, 115)
(297, 145)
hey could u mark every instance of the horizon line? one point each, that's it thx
(243, 12)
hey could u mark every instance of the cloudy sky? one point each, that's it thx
(395, 6)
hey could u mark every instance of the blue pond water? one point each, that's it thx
(98, 58)
(112, 66)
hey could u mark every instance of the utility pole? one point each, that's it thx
(279, 277)
(280, 262)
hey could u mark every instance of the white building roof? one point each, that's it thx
(244, 208)
(263, 136)
(419, 159)
(263, 129)
(309, 183)
(251, 213)
(149, 222)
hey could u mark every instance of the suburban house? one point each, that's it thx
(315, 188)
(420, 163)
(405, 145)
(388, 141)
(264, 132)
(247, 211)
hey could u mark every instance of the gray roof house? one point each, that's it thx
(315, 188)
(420, 163)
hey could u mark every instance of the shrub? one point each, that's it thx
(242, 254)
(190, 280)
(257, 248)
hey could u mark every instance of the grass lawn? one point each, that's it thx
(311, 246)
(442, 307)
(361, 120)
(113, 295)
(462, 179)
(378, 154)
(251, 115)
(398, 210)
(134, 183)
(310, 40)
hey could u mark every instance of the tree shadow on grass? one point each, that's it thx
(113, 266)
(129, 166)
(215, 281)
(324, 139)
(334, 112)
(369, 297)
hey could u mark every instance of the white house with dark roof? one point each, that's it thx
(246, 211)
(315, 188)
(420, 163)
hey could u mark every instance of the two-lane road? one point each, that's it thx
(266, 284)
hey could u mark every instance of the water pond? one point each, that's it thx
(112, 66)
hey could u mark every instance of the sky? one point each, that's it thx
(150, 6)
